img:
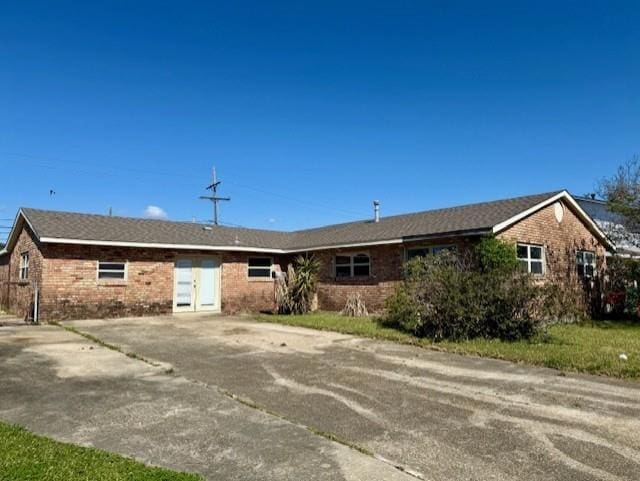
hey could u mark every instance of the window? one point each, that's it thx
(425, 251)
(531, 258)
(260, 267)
(24, 266)
(352, 265)
(586, 264)
(112, 270)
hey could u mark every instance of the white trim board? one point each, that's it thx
(59, 240)
(154, 245)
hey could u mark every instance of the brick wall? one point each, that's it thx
(17, 295)
(241, 293)
(386, 272)
(560, 239)
(72, 290)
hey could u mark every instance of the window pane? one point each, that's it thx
(589, 271)
(111, 275)
(439, 249)
(260, 262)
(579, 257)
(523, 252)
(361, 259)
(536, 252)
(343, 260)
(343, 271)
(580, 270)
(536, 267)
(361, 270)
(524, 265)
(589, 258)
(112, 266)
(259, 272)
(412, 253)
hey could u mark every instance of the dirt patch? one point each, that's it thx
(21, 340)
(235, 331)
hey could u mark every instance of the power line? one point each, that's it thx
(119, 172)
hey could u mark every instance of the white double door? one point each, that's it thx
(196, 285)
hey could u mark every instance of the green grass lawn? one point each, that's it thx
(26, 457)
(591, 347)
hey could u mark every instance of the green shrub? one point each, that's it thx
(496, 255)
(563, 303)
(457, 296)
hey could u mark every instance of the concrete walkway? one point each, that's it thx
(436, 415)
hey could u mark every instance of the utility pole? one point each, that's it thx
(213, 187)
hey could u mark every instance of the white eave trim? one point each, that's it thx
(153, 245)
(15, 231)
(346, 246)
(560, 195)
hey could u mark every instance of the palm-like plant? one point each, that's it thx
(295, 290)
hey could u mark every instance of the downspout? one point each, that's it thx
(36, 300)
(9, 283)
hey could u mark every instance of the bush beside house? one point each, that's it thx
(480, 294)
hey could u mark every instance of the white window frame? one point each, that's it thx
(352, 265)
(125, 271)
(580, 262)
(23, 273)
(430, 249)
(530, 260)
(254, 278)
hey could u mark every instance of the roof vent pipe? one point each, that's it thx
(376, 210)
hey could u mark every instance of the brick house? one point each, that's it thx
(100, 266)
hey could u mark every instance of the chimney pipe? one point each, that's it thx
(376, 210)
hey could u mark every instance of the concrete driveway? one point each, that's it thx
(414, 413)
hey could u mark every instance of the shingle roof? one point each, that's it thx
(100, 228)
(70, 225)
(465, 218)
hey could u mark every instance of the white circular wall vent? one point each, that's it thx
(558, 210)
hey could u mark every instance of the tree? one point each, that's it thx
(622, 193)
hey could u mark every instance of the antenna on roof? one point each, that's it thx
(213, 187)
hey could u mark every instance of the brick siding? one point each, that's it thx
(561, 241)
(241, 293)
(17, 295)
(386, 272)
(70, 289)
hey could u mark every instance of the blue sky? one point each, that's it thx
(310, 111)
